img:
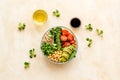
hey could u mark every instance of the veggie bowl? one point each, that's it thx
(59, 45)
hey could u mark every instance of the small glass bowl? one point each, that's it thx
(40, 17)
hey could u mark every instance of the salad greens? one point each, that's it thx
(89, 27)
(21, 26)
(57, 38)
(48, 48)
(32, 53)
(56, 33)
(53, 32)
(56, 13)
(72, 54)
(26, 65)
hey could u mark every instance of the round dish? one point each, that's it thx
(40, 17)
(59, 45)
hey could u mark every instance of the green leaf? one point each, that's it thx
(26, 65)
(89, 27)
(89, 40)
(99, 32)
(32, 53)
(56, 13)
(21, 26)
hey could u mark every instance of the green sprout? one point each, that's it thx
(99, 32)
(21, 26)
(89, 27)
(26, 65)
(89, 42)
(32, 53)
(56, 13)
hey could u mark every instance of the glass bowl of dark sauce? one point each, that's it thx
(75, 22)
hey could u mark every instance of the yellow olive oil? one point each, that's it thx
(40, 16)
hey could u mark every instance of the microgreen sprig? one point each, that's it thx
(26, 65)
(32, 53)
(99, 32)
(89, 27)
(21, 26)
(56, 13)
(89, 40)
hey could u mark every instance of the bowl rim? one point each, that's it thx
(70, 32)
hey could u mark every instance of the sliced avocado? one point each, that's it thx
(63, 59)
(72, 47)
(67, 50)
(70, 50)
(65, 55)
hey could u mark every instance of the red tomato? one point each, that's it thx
(66, 44)
(63, 38)
(63, 42)
(70, 37)
(65, 32)
(72, 42)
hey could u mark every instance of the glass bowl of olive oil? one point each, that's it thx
(40, 16)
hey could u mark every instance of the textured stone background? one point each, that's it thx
(100, 62)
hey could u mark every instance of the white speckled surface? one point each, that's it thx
(100, 62)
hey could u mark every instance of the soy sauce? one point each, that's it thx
(75, 22)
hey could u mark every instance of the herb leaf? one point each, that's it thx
(89, 40)
(26, 65)
(89, 27)
(56, 13)
(32, 53)
(21, 26)
(99, 32)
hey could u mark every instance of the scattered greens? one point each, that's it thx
(32, 53)
(26, 65)
(99, 32)
(56, 13)
(89, 27)
(89, 42)
(21, 26)
(48, 48)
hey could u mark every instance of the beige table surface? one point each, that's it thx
(100, 62)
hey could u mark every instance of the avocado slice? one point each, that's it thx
(70, 50)
(72, 47)
(63, 59)
(65, 55)
(67, 50)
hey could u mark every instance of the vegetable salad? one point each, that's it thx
(59, 45)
